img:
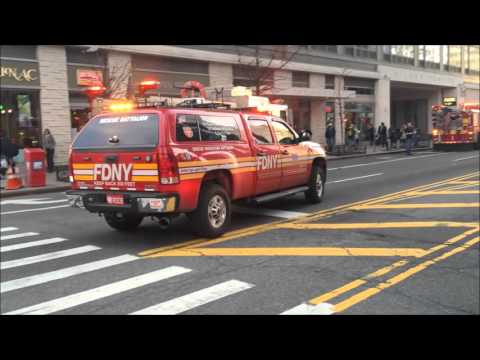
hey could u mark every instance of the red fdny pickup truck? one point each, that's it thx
(166, 161)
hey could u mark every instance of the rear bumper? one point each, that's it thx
(134, 203)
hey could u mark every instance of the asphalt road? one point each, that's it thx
(361, 251)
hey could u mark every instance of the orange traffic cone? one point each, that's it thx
(14, 181)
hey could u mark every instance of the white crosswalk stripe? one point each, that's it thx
(46, 257)
(195, 299)
(4, 249)
(8, 228)
(16, 236)
(309, 309)
(24, 282)
(83, 297)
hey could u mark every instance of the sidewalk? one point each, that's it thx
(53, 185)
(375, 150)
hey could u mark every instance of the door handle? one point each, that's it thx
(284, 152)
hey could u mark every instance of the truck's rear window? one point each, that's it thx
(110, 132)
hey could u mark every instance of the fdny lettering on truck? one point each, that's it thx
(267, 162)
(112, 172)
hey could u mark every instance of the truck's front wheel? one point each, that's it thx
(123, 222)
(212, 216)
(316, 185)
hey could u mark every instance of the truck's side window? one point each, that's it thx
(284, 135)
(218, 128)
(187, 128)
(260, 131)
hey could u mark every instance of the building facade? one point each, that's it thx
(43, 86)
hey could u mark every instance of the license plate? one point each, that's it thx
(115, 199)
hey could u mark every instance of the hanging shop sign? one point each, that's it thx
(88, 77)
(19, 73)
(449, 101)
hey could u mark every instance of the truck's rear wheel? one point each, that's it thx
(123, 222)
(316, 185)
(212, 216)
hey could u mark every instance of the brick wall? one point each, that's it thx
(55, 106)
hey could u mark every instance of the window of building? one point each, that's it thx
(285, 136)
(20, 116)
(327, 48)
(429, 56)
(260, 131)
(247, 76)
(19, 52)
(454, 58)
(300, 79)
(365, 51)
(329, 82)
(473, 63)
(400, 54)
(360, 86)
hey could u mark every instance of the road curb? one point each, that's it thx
(30, 191)
(374, 154)
(56, 188)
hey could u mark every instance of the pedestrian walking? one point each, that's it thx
(3, 154)
(330, 136)
(409, 134)
(11, 150)
(371, 134)
(392, 137)
(382, 133)
(49, 146)
(356, 131)
(350, 134)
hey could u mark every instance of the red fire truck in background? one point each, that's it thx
(454, 127)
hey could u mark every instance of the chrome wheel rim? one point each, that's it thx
(217, 211)
(319, 185)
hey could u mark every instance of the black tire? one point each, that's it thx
(211, 226)
(314, 195)
(123, 222)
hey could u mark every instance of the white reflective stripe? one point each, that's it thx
(101, 292)
(114, 188)
(31, 244)
(82, 172)
(144, 172)
(84, 187)
(11, 285)
(11, 228)
(47, 257)
(197, 169)
(309, 309)
(149, 189)
(98, 188)
(195, 299)
(131, 189)
(16, 236)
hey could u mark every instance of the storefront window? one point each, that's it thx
(330, 113)
(360, 115)
(20, 116)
